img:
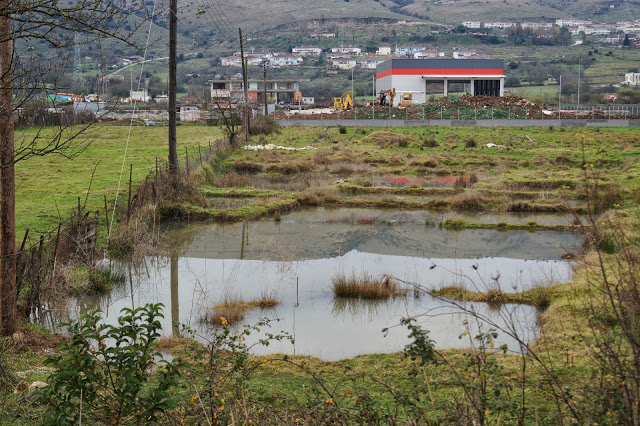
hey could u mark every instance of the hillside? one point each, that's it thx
(261, 15)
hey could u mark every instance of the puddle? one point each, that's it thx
(294, 261)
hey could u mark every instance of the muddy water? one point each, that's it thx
(295, 259)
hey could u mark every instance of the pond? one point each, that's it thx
(295, 259)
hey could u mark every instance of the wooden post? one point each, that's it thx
(18, 258)
(106, 214)
(55, 255)
(200, 155)
(186, 156)
(129, 199)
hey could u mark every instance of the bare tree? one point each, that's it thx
(22, 72)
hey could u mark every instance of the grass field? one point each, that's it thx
(47, 188)
(531, 169)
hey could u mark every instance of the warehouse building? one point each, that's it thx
(431, 77)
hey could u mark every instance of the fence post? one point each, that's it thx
(106, 214)
(129, 199)
(186, 156)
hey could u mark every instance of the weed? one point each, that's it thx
(342, 130)
(470, 143)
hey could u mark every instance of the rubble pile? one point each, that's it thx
(454, 107)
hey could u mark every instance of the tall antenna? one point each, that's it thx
(76, 61)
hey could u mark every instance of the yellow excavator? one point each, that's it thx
(343, 104)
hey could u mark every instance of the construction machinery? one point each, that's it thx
(297, 98)
(343, 104)
(382, 100)
(406, 99)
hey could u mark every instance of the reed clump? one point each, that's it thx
(233, 311)
(365, 286)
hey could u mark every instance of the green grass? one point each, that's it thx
(47, 188)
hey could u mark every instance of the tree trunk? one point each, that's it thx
(7, 182)
(173, 85)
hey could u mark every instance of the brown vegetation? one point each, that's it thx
(365, 286)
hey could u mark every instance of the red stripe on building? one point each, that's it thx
(439, 72)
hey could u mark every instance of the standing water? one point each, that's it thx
(295, 259)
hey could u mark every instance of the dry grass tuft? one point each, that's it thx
(365, 287)
(233, 311)
(385, 138)
(234, 180)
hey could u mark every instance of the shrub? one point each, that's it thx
(103, 372)
(265, 126)
(470, 143)
(342, 130)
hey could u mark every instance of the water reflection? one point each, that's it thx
(295, 260)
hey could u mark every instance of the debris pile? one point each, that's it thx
(456, 107)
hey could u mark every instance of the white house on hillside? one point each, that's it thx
(428, 53)
(307, 51)
(343, 63)
(408, 50)
(371, 63)
(347, 50)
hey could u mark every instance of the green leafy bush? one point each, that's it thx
(103, 373)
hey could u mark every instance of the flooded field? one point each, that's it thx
(295, 259)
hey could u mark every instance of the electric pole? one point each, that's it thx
(266, 111)
(173, 85)
(245, 83)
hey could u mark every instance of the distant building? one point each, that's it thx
(408, 50)
(231, 61)
(347, 50)
(284, 59)
(417, 76)
(139, 96)
(343, 63)
(463, 53)
(371, 63)
(535, 25)
(499, 24)
(384, 51)
(307, 51)
(428, 53)
(573, 22)
(632, 79)
(231, 92)
(472, 24)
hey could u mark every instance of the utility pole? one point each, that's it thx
(579, 66)
(559, 96)
(7, 181)
(352, 83)
(245, 83)
(266, 111)
(173, 85)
